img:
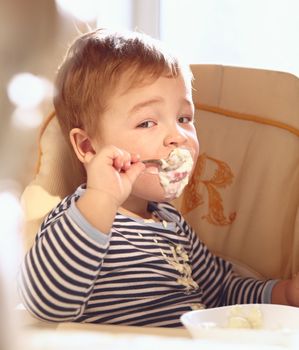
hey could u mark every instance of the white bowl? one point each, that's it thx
(280, 325)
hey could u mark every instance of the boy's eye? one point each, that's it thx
(146, 124)
(184, 119)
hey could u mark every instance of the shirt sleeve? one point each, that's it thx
(220, 284)
(58, 273)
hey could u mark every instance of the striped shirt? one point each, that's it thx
(141, 274)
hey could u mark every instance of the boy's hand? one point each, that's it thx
(113, 172)
(286, 292)
(292, 291)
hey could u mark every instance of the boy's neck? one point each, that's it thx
(135, 207)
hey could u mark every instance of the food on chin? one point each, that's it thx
(175, 171)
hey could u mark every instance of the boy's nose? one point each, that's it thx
(175, 137)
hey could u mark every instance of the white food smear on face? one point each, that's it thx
(174, 181)
(239, 318)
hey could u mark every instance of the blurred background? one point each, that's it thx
(35, 34)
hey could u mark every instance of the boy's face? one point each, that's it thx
(151, 121)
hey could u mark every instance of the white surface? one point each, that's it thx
(37, 335)
(55, 340)
(280, 326)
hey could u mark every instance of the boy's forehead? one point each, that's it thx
(149, 91)
(135, 80)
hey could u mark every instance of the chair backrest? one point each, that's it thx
(243, 198)
(57, 174)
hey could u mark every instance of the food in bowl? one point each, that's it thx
(239, 317)
(261, 324)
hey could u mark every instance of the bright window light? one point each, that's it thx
(112, 14)
(29, 118)
(84, 10)
(249, 33)
(27, 90)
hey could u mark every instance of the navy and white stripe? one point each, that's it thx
(75, 273)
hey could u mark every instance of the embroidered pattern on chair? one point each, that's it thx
(193, 196)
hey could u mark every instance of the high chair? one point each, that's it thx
(243, 199)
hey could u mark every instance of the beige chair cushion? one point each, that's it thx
(243, 199)
(57, 175)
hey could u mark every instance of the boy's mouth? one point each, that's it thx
(173, 174)
(174, 181)
(177, 176)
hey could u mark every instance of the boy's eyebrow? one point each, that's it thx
(146, 103)
(152, 101)
(188, 102)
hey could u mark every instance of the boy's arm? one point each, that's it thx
(220, 285)
(286, 292)
(93, 204)
(58, 273)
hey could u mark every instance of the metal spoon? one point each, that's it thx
(163, 164)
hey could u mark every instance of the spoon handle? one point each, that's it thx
(152, 161)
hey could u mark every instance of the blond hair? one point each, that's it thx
(93, 67)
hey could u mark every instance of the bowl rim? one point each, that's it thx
(186, 317)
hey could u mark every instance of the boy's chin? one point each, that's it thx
(151, 197)
(155, 195)
(150, 189)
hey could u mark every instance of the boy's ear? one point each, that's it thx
(81, 143)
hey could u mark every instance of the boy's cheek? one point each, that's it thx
(148, 187)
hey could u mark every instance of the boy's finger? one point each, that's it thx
(134, 171)
(135, 158)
